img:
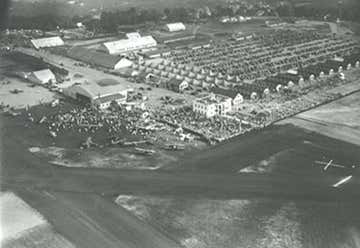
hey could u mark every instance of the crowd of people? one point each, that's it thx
(216, 128)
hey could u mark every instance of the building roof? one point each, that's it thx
(232, 93)
(212, 98)
(110, 98)
(133, 35)
(123, 45)
(95, 90)
(44, 75)
(93, 57)
(47, 42)
(173, 27)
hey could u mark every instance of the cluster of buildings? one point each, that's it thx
(244, 66)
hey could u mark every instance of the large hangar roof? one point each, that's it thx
(120, 46)
(95, 58)
(95, 90)
(47, 42)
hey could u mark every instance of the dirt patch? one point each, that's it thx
(104, 158)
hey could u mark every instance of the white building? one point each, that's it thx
(175, 27)
(100, 94)
(128, 45)
(133, 35)
(47, 42)
(212, 105)
(236, 98)
(42, 77)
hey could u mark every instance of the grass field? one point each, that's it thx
(200, 223)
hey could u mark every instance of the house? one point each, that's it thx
(236, 98)
(47, 42)
(177, 85)
(93, 57)
(100, 93)
(175, 27)
(42, 77)
(212, 105)
(128, 45)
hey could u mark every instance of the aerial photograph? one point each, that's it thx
(179, 123)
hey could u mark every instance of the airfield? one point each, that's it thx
(272, 170)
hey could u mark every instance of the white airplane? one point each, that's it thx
(331, 164)
(342, 181)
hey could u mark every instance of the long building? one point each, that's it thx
(93, 57)
(47, 42)
(128, 45)
(175, 27)
(100, 93)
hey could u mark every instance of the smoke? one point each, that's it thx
(4, 13)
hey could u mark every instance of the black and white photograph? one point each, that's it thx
(180, 123)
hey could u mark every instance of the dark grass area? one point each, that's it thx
(16, 61)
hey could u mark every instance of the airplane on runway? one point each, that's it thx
(331, 164)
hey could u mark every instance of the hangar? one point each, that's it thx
(128, 45)
(93, 57)
(100, 93)
(47, 42)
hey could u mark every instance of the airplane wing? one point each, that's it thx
(342, 181)
(332, 164)
(328, 164)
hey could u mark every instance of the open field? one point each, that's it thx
(339, 119)
(247, 223)
(30, 97)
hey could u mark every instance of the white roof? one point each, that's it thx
(177, 26)
(123, 63)
(44, 75)
(133, 35)
(120, 46)
(47, 42)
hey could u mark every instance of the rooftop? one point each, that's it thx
(102, 88)
(212, 99)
